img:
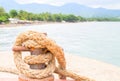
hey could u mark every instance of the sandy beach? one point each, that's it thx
(30, 24)
(18, 25)
(83, 66)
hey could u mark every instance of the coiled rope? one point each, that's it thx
(35, 40)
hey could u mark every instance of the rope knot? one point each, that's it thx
(50, 50)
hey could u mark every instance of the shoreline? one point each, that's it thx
(40, 23)
(97, 70)
(17, 25)
(30, 24)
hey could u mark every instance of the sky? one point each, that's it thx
(109, 4)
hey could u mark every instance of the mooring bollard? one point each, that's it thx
(36, 67)
(40, 65)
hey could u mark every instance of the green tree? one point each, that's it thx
(2, 11)
(13, 13)
(23, 15)
(51, 17)
(58, 17)
(3, 15)
(40, 17)
(71, 18)
(4, 18)
(45, 16)
(81, 18)
(30, 16)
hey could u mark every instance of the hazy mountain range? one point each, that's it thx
(71, 8)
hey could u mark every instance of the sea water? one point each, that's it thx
(96, 40)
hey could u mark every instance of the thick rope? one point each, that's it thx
(35, 40)
(72, 75)
(41, 41)
(58, 71)
(24, 68)
(9, 70)
(42, 58)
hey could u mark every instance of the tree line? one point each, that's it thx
(24, 15)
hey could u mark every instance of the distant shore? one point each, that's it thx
(83, 66)
(40, 23)
(17, 25)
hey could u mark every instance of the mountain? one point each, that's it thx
(71, 8)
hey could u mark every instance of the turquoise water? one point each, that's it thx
(96, 40)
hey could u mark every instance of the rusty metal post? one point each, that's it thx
(36, 66)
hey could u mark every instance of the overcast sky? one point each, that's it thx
(110, 4)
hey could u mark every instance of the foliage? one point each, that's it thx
(71, 18)
(3, 15)
(13, 13)
(48, 17)
(23, 15)
(2, 11)
(103, 19)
